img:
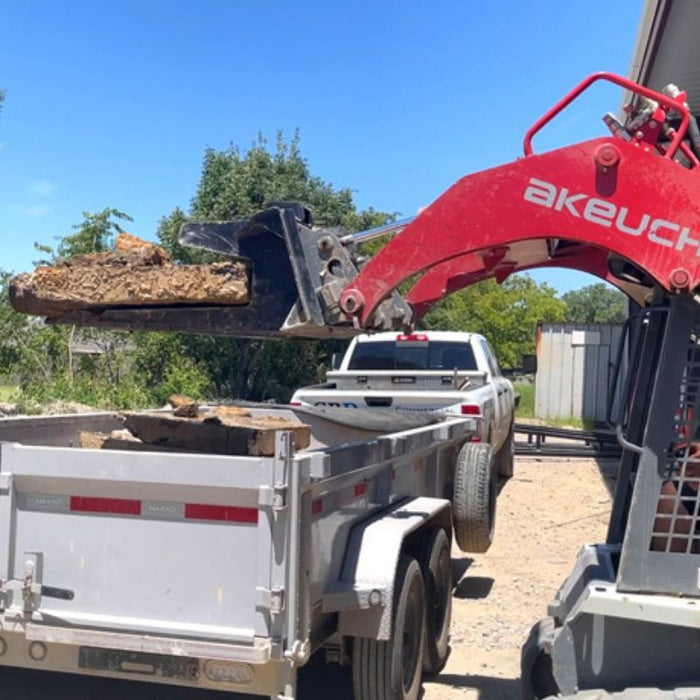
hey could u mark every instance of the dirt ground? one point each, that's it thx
(545, 513)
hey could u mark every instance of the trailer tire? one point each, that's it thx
(537, 677)
(474, 497)
(436, 565)
(505, 457)
(391, 670)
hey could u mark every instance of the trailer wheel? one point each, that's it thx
(436, 565)
(391, 670)
(536, 673)
(506, 455)
(474, 497)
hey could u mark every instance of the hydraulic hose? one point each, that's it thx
(694, 135)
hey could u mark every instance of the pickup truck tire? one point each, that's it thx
(505, 457)
(474, 497)
(436, 565)
(391, 670)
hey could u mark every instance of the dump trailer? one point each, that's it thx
(228, 572)
(624, 207)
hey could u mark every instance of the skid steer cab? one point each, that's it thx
(624, 207)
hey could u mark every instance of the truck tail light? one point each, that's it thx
(412, 338)
(468, 409)
(295, 403)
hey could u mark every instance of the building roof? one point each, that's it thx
(667, 49)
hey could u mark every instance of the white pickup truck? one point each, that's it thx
(439, 371)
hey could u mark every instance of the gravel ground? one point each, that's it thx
(545, 513)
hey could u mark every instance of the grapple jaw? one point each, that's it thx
(296, 276)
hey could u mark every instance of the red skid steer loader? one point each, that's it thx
(626, 207)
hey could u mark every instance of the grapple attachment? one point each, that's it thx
(625, 208)
(297, 273)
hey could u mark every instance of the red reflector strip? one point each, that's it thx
(470, 410)
(121, 506)
(360, 489)
(316, 506)
(231, 514)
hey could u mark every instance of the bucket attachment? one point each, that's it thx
(296, 276)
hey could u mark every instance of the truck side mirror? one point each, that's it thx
(336, 360)
(530, 364)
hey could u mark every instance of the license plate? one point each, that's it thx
(139, 663)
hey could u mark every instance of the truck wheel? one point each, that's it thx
(391, 670)
(536, 673)
(474, 498)
(506, 455)
(436, 565)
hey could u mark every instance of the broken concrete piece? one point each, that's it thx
(135, 273)
(228, 412)
(254, 436)
(183, 406)
(92, 441)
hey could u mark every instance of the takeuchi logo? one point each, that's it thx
(607, 214)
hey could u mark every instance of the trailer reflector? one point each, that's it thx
(361, 488)
(468, 409)
(231, 514)
(119, 506)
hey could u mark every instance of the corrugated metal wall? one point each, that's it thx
(574, 369)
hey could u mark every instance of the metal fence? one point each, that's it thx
(574, 369)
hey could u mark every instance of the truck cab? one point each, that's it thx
(437, 371)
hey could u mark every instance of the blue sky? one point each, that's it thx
(113, 103)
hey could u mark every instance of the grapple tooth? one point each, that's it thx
(216, 236)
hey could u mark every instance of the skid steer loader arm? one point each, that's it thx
(625, 208)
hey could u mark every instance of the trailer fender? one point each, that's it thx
(363, 595)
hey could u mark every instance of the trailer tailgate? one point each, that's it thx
(148, 542)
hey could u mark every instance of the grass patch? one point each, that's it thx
(526, 407)
(9, 393)
(576, 423)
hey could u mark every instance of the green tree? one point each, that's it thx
(507, 314)
(233, 185)
(96, 233)
(596, 303)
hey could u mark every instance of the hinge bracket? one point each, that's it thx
(272, 600)
(273, 497)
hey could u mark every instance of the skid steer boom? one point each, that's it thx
(625, 208)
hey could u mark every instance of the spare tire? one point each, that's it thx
(474, 497)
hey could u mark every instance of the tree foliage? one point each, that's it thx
(596, 303)
(507, 314)
(94, 234)
(234, 185)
